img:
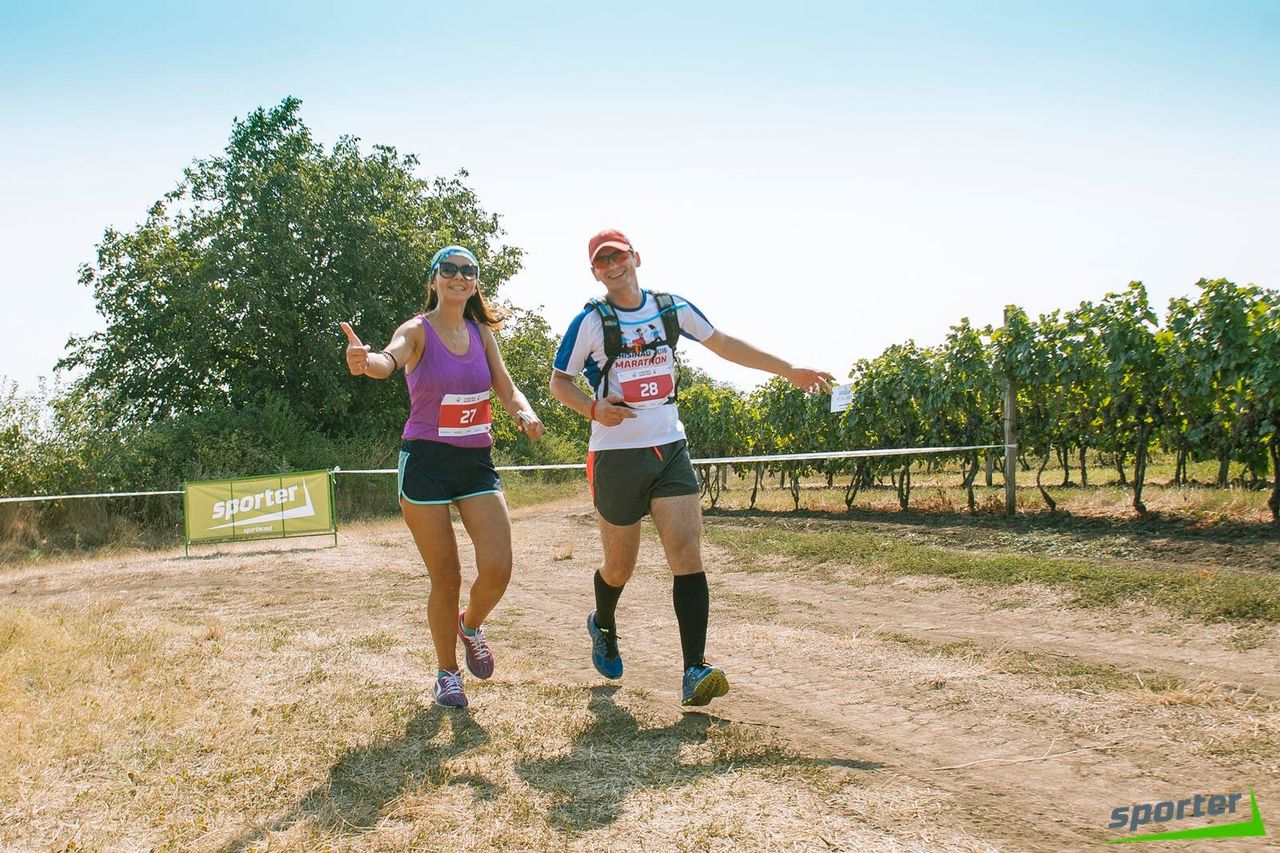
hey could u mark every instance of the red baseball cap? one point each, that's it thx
(612, 238)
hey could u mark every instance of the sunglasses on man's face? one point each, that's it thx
(603, 261)
(449, 270)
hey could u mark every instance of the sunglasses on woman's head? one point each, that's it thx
(449, 270)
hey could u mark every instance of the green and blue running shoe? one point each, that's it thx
(702, 684)
(605, 656)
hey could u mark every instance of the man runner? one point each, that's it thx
(638, 463)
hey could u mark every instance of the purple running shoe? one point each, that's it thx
(479, 658)
(447, 690)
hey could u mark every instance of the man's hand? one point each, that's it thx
(610, 411)
(357, 352)
(810, 381)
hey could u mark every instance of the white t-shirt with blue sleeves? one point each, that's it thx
(643, 373)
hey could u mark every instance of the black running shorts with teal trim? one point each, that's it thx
(435, 473)
(623, 482)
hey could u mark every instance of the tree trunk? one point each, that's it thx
(1224, 468)
(1119, 463)
(1140, 470)
(1274, 446)
(1064, 459)
(795, 489)
(904, 487)
(971, 474)
(1044, 463)
(713, 484)
(755, 487)
(1084, 472)
(990, 466)
(857, 481)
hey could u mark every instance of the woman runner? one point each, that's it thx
(451, 362)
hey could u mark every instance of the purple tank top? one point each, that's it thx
(449, 394)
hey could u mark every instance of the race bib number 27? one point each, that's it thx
(465, 414)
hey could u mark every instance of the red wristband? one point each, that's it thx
(591, 414)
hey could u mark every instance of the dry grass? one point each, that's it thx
(238, 734)
(275, 699)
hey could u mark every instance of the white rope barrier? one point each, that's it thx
(498, 467)
(719, 460)
(844, 454)
(743, 460)
(98, 495)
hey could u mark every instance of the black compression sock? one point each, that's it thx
(692, 602)
(606, 601)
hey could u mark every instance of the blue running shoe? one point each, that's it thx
(605, 656)
(702, 684)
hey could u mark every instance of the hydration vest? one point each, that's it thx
(613, 336)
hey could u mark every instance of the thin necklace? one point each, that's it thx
(458, 337)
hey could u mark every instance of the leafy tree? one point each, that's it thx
(969, 397)
(222, 306)
(714, 418)
(1081, 370)
(529, 347)
(784, 411)
(1263, 398)
(1211, 349)
(857, 426)
(896, 392)
(1135, 375)
(1042, 407)
(24, 440)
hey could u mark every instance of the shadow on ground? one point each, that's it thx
(614, 757)
(1155, 536)
(367, 778)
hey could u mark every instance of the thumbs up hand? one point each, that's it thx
(357, 352)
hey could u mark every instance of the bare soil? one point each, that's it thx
(1006, 717)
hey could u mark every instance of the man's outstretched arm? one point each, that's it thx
(740, 352)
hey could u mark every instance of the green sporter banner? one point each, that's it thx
(281, 505)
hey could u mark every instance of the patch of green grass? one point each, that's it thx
(378, 642)
(1063, 673)
(1248, 637)
(938, 490)
(523, 490)
(1215, 596)
(761, 607)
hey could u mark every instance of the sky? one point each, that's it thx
(821, 179)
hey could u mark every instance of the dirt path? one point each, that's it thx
(952, 691)
(812, 660)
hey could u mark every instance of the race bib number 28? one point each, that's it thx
(646, 386)
(465, 414)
